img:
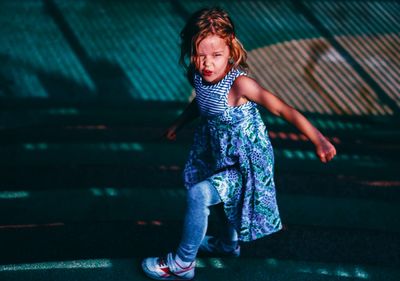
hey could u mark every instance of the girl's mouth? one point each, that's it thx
(207, 72)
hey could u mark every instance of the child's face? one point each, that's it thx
(212, 58)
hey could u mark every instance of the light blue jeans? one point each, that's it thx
(199, 198)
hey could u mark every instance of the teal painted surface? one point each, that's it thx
(128, 50)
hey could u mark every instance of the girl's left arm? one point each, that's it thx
(251, 90)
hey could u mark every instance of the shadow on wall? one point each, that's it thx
(109, 79)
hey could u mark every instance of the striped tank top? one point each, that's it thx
(213, 99)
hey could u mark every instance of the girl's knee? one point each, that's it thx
(199, 193)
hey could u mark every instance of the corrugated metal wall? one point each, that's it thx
(327, 57)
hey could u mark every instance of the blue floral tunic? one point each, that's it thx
(232, 150)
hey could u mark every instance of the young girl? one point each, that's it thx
(231, 160)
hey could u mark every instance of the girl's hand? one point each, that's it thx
(325, 150)
(170, 134)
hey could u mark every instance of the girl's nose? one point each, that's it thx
(207, 62)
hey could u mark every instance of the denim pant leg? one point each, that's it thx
(199, 198)
(228, 234)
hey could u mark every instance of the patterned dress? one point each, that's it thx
(232, 151)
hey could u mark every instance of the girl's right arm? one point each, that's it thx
(251, 90)
(189, 114)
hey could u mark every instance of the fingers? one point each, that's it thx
(170, 135)
(326, 157)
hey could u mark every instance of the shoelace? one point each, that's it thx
(161, 262)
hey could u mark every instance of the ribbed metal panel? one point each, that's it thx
(375, 42)
(141, 38)
(32, 50)
(128, 50)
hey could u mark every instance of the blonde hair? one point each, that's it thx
(205, 22)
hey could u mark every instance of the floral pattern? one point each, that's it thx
(232, 151)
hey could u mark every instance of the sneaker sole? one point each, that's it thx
(149, 274)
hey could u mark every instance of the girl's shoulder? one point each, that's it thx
(244, 84)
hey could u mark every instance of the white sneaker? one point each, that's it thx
(167, 269)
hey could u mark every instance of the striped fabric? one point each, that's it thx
(212, 99)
